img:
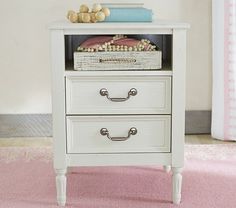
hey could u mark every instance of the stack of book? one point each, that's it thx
(128, 12)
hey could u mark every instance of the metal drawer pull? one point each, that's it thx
(104, 92)
(105, 132)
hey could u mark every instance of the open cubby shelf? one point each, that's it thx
(164, 42)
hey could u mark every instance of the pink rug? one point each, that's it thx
(209, 181)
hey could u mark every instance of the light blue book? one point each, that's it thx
(122, 5)
(129, 15)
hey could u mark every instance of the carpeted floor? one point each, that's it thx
(209, 181)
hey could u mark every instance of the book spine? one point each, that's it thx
(130, 15)
(111, 5)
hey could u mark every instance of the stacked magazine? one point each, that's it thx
(128, 12)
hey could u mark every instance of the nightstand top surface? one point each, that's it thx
(157, 24)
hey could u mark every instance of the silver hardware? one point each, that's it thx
(117, 60)
(104, 92)
(105, 132)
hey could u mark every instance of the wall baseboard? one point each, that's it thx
(40, 125)
(25, 125)
(197, 122)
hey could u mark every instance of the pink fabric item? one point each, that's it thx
(130, 42)
(95, 42)
(209, 181)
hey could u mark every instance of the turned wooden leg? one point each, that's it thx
(61, 186)
(167, 168)
(176, 185)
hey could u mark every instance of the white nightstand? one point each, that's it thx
(90, 129)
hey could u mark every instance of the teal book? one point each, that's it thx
(129, 15)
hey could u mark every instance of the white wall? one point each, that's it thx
(25, 59)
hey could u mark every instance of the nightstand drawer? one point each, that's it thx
(114, 134)
(118, 95)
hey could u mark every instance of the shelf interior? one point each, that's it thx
(164, 42)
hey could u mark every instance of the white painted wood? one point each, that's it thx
(58, 98)
(61, 186)
(176, 185)
(166, 72)
(178, 110)
(153, 95)
(115, 30)
(58, 111)
(157, 24)
(124, 159)
(82, 113)
(83, 134)
(167, 168)
(157, 27)
(178, 97)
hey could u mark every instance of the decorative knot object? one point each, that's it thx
(85, 15)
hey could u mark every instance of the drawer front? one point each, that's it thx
(114, 134)
(118, 95)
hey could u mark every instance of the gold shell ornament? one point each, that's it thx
(97, 13)
(97, 8)
(72, 16)
(84, 9)
(93, 17)
(100, 16)
(85, 17)
(106, 11)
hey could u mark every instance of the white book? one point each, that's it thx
(123, 5)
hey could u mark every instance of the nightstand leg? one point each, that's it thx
(176, 185)
(167, 168)
(61, 186)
